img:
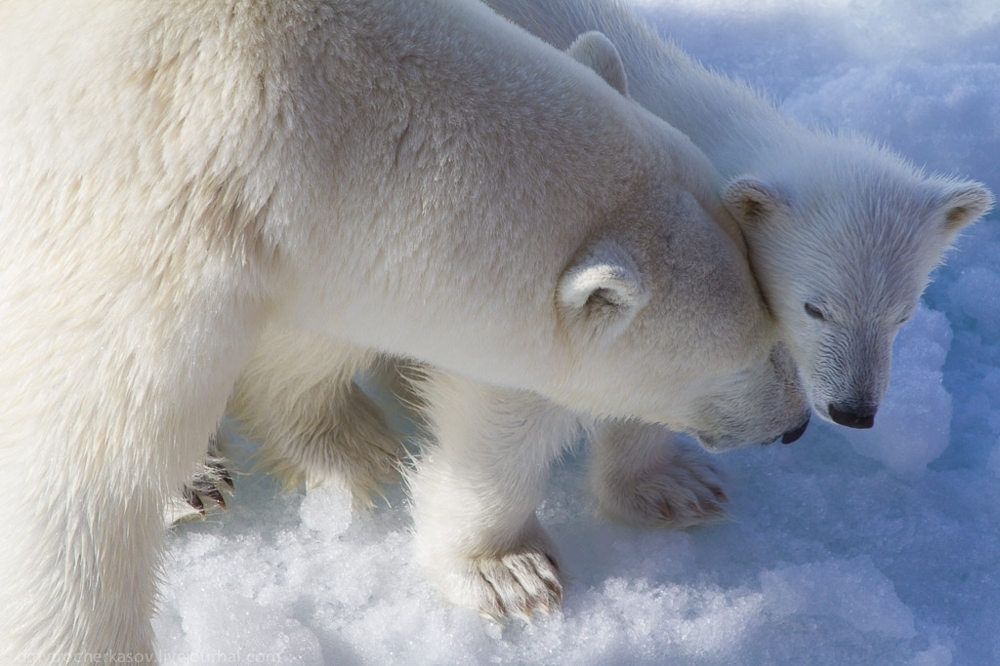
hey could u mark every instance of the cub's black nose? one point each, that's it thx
(795, 433)
(863, 417)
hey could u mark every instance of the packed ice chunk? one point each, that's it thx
(852, 590)
(327, 509)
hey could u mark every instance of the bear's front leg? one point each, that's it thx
(642, 476)
(79, 568)
(475, 493)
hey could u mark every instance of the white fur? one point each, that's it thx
(641, 476)
(604, 282)
(334, 431)
(183, 180)
(830, 220)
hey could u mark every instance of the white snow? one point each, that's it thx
(855, 548)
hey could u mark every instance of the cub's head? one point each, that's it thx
(842, 255)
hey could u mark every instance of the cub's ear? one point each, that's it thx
(603, 287)
(597, 52)
(963, 203)
(750, 200)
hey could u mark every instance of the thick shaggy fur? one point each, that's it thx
(183, 181)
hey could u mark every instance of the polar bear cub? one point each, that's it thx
(182, 181)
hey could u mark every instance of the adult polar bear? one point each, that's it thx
(419, 178)
(478, 483)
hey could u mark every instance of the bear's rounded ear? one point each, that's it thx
(963, 203)
(750, 200)
(597, 52)
(603, 287)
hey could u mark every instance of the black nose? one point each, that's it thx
(852, 417)
(794, 434)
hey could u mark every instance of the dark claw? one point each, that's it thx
(714, 508)
(666, 510)
(223, 473)
(216, 497)
(203, 488)
(191, 497)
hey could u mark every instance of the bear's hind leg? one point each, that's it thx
(298, 399)
(642, 476)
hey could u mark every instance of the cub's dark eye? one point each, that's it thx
(815, 312)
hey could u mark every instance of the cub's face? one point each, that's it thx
(842, 264)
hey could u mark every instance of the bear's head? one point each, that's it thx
(667, 273)
(842, 258)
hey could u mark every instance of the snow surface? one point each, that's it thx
(877, 547)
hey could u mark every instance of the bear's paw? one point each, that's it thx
(677, 489)
(515, 584)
